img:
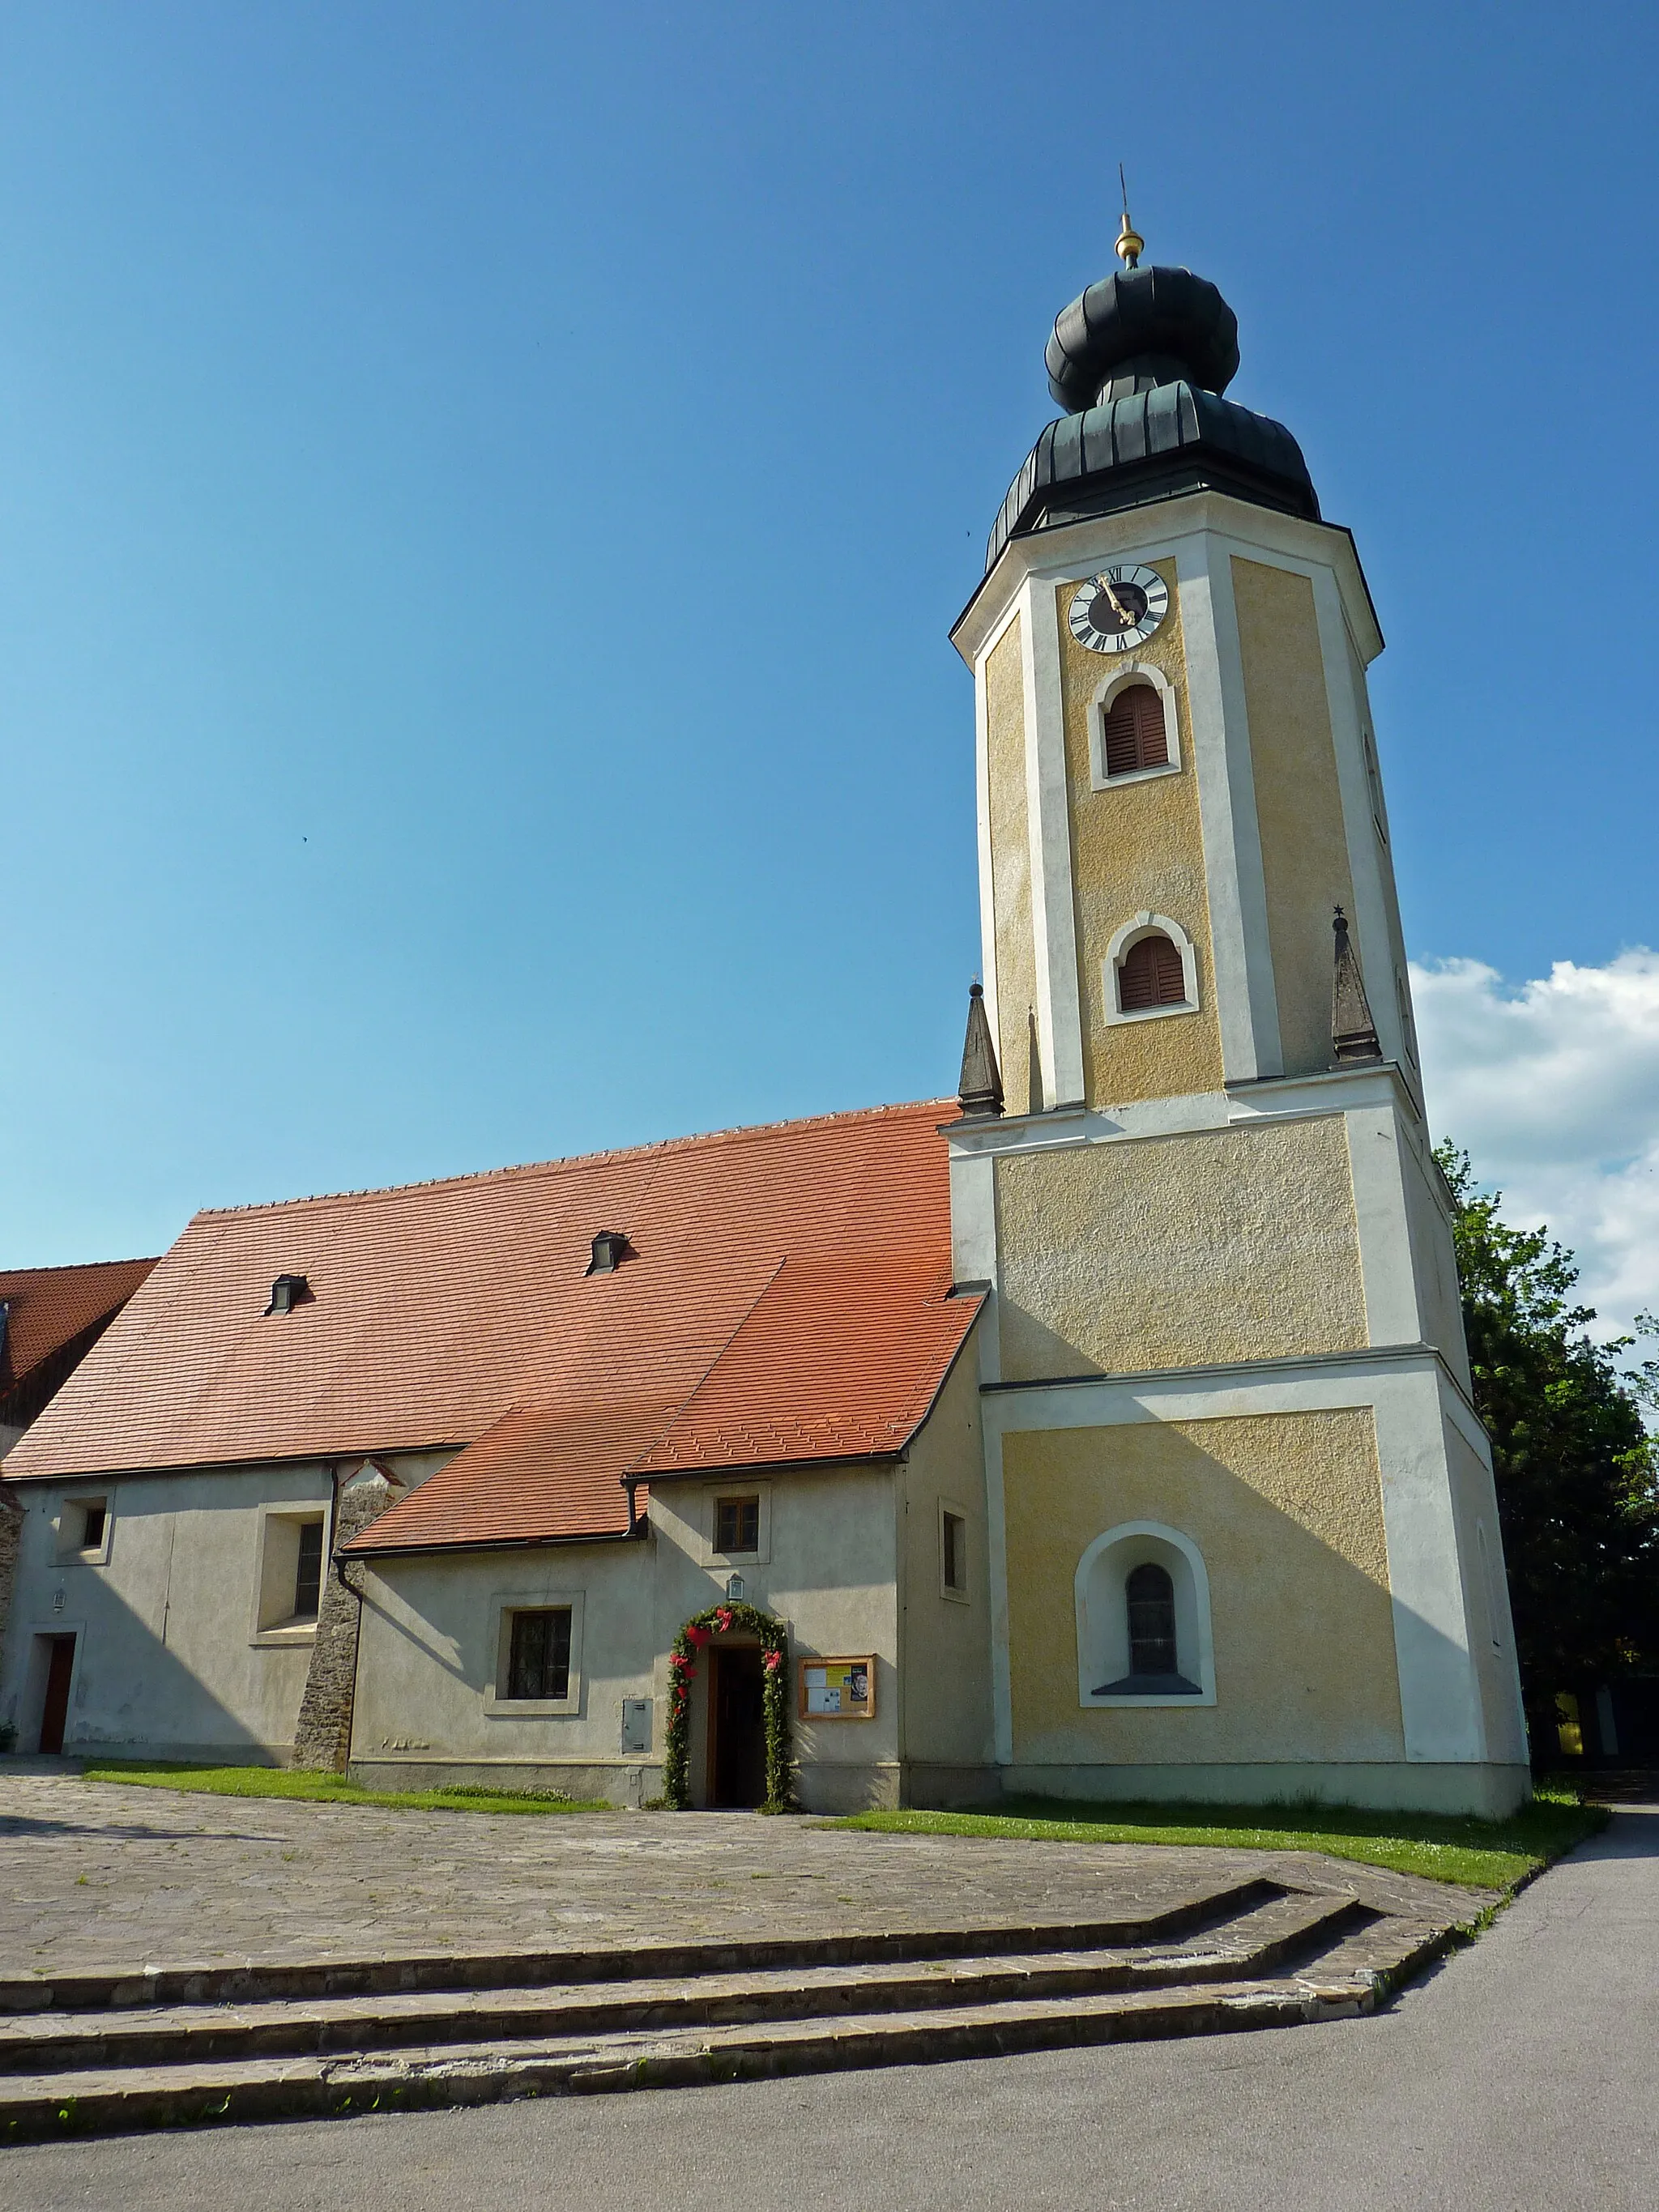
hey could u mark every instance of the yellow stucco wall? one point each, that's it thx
(1011, 864)
(1225, 1244)
(1138, 846)
(1304, 855)
(1286, 1510)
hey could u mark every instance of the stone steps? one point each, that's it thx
(469, 2031)
(248, 1981)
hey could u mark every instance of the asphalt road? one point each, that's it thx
(1522, 2077)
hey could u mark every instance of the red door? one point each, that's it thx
(55, 1712)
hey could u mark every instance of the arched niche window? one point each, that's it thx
(1151, 969)
(1134, 727)
(1143, 1620)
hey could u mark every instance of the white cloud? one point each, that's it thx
(1553, 1091)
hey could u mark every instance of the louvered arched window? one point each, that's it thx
(1150, 975)
(1133, 734)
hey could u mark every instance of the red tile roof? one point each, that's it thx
(785, 1300)
(49, 1308)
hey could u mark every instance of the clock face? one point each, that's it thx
(1119, 608)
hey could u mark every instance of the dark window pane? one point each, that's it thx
(956, 1561)
(538, 1658)
(1151, 1595)
(92, 1528)
(737, 1524)
(308, 1571)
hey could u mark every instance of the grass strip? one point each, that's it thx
(1445, 1847)
(332, 1788)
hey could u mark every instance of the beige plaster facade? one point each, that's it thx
(181, 1651)
(848, 1557)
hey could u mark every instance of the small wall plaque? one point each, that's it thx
(838, 1689)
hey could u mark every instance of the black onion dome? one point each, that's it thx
(1138, 328)
(1139, 362)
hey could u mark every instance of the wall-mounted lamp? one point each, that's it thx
(734, 1589)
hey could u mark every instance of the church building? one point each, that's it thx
(1104, 1432)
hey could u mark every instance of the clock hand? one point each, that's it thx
(1127, 617)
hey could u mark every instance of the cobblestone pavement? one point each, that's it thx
(97, 1875)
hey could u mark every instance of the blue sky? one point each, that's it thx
(483, 488)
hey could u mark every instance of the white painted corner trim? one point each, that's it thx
(1145, 924)
(1138, 672)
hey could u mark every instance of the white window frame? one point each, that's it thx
(708, 1524)
(1138, 672)
(71, 1520)
(497, 1705)
(965, 1595)
(276, 1631)
(1145, 924)
(1103, 1622)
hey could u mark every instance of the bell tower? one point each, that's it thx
(1225, 1316)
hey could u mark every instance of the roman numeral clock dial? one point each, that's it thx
(1119, 608)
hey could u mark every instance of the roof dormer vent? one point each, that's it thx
(287, 1292)
(609, 1250)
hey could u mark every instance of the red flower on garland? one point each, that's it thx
(774, 1660)
(723, 1614)
(696, 1634)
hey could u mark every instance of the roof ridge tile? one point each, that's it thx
(529, 1168)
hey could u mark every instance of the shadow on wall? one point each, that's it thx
(96, 1679)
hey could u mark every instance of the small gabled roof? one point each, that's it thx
(783, 1296)
(48, 1311)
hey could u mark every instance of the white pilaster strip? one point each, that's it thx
(1439, 1686)
(1373, 939)
(973, 1229)
(1246, 1005)
(988, 911)
(1054, 925)
(1002, 1687)
(1393, 1312)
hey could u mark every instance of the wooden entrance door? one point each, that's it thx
(60, 1665)
(737, 1727)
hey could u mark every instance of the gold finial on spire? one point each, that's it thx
(1130, 243)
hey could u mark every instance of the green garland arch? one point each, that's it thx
(701, 1629)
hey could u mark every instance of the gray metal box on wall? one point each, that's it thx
(636, 1723)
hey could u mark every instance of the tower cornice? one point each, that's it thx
(1063, 550)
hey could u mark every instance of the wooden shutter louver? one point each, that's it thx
(1134, 734)
(1150, 976)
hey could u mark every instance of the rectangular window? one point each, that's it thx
(539, 1655)
(737, 1524)
(953, 1551)
(93, 1515)
(308, 1571)
(293, 1554)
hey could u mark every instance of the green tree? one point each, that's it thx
(1578, 1471)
